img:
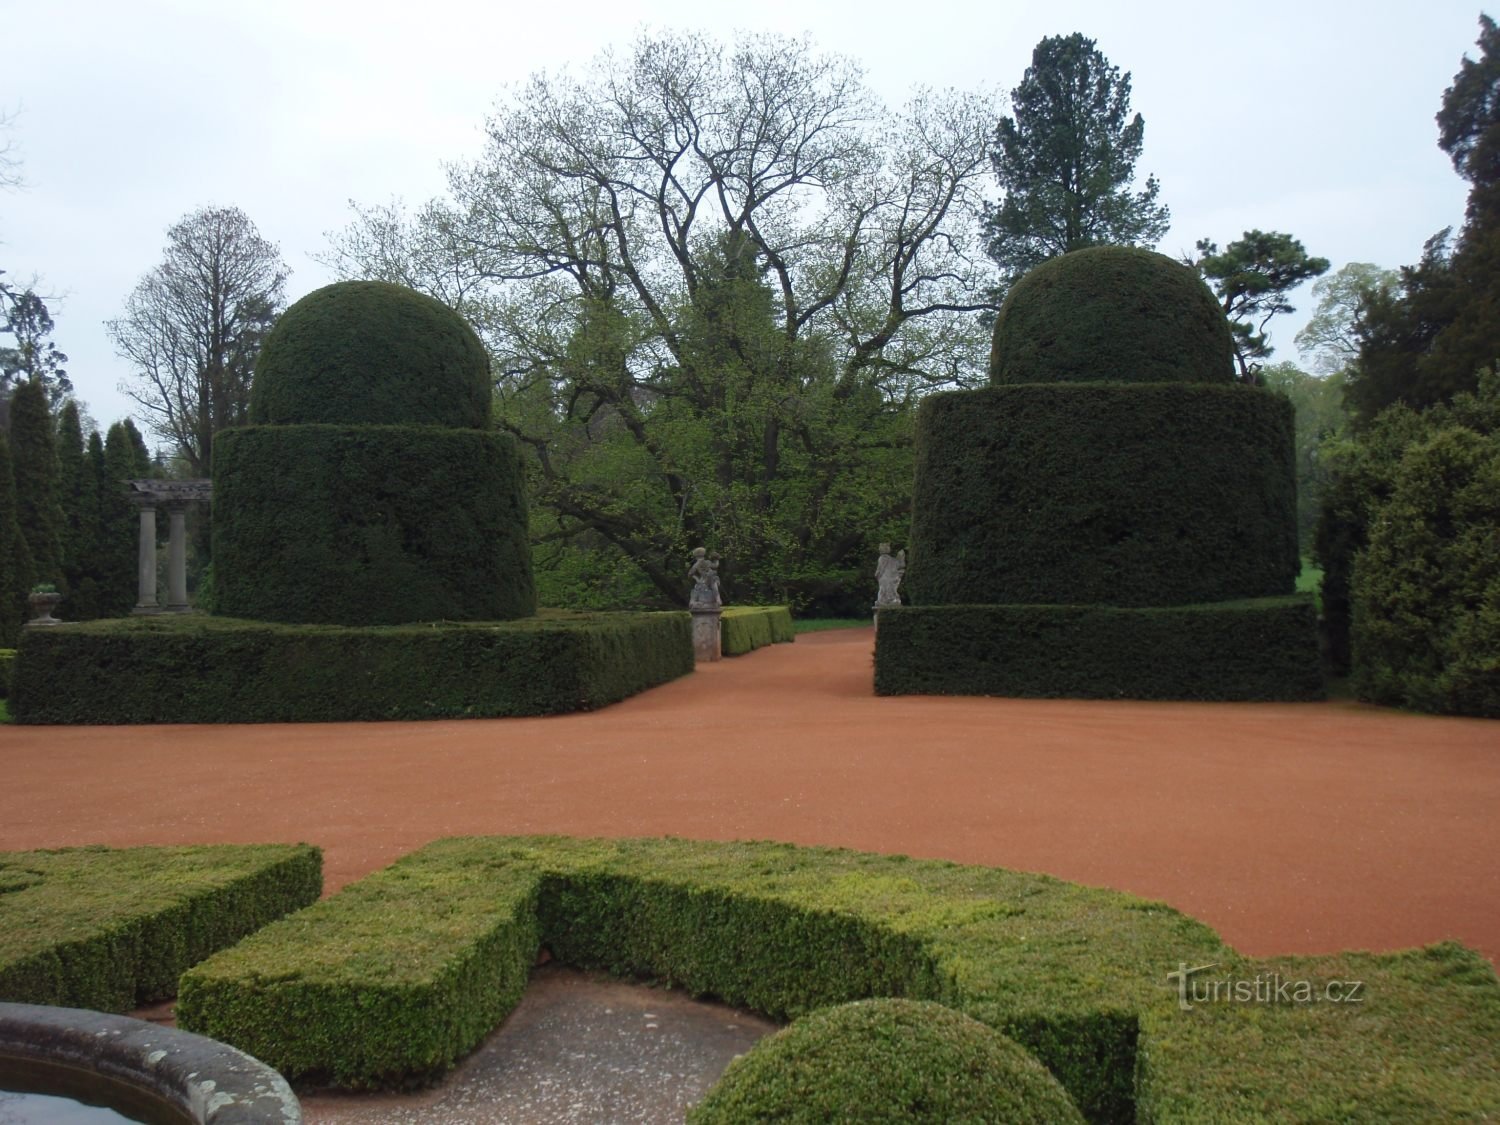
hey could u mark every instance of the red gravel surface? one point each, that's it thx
(1290, 828)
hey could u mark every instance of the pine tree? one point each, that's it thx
(118, 523)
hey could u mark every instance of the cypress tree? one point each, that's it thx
(71, 488)
(118, 527)
(15, 558)
(34, 457)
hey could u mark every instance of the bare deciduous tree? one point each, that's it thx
(193, 326)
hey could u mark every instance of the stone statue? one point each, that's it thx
(888, 572)
(705, 575)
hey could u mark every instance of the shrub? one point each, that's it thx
(1103, 494)
(886, 1061)
(113, 928)
(369, 525)
(746, 628)
(7, 670)
(371, 353)
(190, 669)
(401, 973)
(1426, 590)
(1262, 649)
(1111, 313)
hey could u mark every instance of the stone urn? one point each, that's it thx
(42, 604)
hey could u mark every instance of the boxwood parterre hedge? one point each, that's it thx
(194, 669)
(109, 929)
(1259, 649)
(745, 628)
(400, 974)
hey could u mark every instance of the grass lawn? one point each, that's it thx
(818, 624)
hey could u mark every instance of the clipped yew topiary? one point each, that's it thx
(369, 491)
(1115, 313)
(371, 353)
(886, 1060)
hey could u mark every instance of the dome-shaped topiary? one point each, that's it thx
(886, 1060)
(1111, 314)
(371, 353)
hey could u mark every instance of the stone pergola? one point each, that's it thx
(175, 496)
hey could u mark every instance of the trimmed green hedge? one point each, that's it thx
(1074, 494)
(887, 1061)
(745, 628)
(1261, 649)
(1111, 313)
(110, 929)
(369, 525)
(7, 670)
(397, 976)
(192, 669)
(363, 353)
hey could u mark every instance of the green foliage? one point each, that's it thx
(1109, 493)
(7, 670)
(886, 1061)
(80, 489)
(16, 567)
(192, 669)
(33, 358)
(1320, 422)
(586, 573)
(823, 624)
(388, 524)
(1365, 469)
(1330, 336)
(111, 929)
(746, 628)
(1111, 313)
(1252, 277)
(398, 975)
(1067, 160)
(371, 353)
(33, 453)
(123, 458)
(1259, 649)
(1426, 589)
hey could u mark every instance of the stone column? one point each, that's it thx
(177, 596)
(706, 635)
(146, 562)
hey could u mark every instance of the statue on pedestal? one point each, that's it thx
(705, 575)
(888, 571)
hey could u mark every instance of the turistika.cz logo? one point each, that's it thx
(1263, 988)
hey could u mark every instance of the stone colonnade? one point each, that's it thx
(175, 496)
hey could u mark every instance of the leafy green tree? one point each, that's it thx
(16, 571)
(1330, 338)
(1252, 278)
(34, 457)
(1426, 343)
(1321, 419)
(1426, 588)
(1066, 160)
(713, 281)
(193, 326)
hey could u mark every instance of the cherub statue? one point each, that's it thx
(705, 575)
(888, 571)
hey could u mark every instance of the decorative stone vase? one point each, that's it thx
(41, 608)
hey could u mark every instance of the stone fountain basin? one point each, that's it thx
(142, 1069)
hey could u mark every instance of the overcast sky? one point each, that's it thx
(1314, 118)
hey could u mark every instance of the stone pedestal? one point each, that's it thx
(145, 601)
(705, 635)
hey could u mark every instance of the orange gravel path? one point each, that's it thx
(1292, 828)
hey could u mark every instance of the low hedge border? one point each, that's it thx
(110, 929)
(1259, 649)
(196, 669)
(392, 980)
(745, 628)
